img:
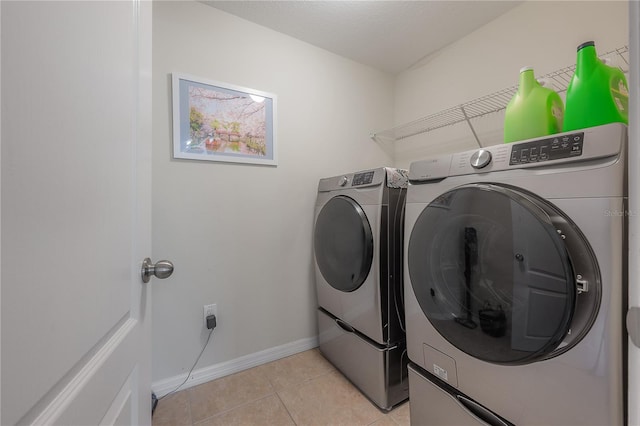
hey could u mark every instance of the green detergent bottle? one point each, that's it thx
(597, 94)
(533, 111)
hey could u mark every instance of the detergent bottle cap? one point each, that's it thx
(586, 44)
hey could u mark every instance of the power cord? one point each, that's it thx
(211, 324)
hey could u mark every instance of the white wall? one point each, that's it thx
(542, 34)
(240, 236)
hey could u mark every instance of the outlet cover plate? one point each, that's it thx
(210, 310)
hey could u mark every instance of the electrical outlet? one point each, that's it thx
(210, 310)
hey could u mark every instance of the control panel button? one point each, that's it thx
(343, 181)
(481, 158)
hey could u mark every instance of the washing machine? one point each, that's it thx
(515, 282)
(358, 245)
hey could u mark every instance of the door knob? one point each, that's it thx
(633, 325)
(161, 269)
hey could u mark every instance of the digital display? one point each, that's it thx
(553, 148)
(362, 178)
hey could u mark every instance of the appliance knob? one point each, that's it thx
(481, 158)
(343, 181)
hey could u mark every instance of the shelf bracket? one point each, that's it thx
(466, 117)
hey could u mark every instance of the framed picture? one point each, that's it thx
(215, 121)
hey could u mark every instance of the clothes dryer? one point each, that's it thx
(358, 248)
(515, 282)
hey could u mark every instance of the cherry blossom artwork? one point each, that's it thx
(222, 122)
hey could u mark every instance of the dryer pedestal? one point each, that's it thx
(378, 371)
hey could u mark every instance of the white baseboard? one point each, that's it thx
(222, 369)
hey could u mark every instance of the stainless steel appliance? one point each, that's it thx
(515, 282)
(358, 257)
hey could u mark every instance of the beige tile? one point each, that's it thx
(228, 392)
(172, 411)
(265, 411)
(296, 369)
(401, 414)
(384, 421)
(328, 399)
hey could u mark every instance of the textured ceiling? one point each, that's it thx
(388, 35)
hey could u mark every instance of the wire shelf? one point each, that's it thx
(490, 104)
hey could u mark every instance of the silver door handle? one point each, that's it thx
(633, 325)
(161, 269)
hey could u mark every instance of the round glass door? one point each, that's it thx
(343, 244)
(492, 272)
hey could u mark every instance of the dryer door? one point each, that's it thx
(497, 271)
(343, 244)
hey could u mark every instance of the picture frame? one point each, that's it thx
(215, 121)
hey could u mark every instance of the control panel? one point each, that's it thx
(363, 178)
(359, 181)
(589, 144)
(553, 148)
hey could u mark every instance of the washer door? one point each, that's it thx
(497, 271)
(343, 244)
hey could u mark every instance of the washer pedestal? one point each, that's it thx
(446, 407)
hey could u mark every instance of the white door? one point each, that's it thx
(76, 125)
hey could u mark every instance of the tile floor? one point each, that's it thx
(303, 389)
